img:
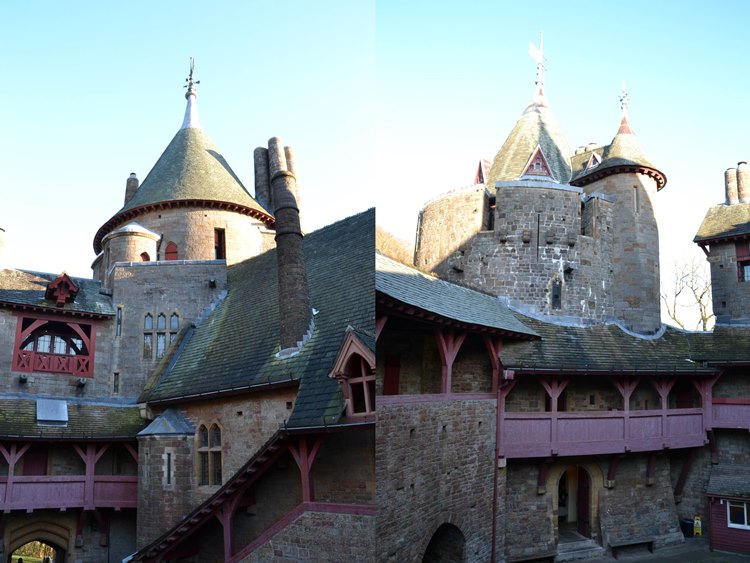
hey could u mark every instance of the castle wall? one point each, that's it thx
(635, 252)
(730, 297)
(192, 230)
(538, 241)
(434, 465)
(320, 537)
(142, 287)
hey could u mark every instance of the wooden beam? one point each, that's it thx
(448, 344)
(304, 454)
(379, 325)
(651, 469)
(680, 486)
(494, 346)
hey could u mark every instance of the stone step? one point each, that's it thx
(571, 551)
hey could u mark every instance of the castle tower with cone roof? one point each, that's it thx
(190, 206)
(561, 234)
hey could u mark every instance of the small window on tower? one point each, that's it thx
(220, 250)
(557, 294)
(145, 257)
(170, 253)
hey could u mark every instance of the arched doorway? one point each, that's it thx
(54, 535)
(38, 551)
(447, 545)
(574, 503)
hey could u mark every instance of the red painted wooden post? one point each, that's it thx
(705, 390)
(12, 458)
(304, 454)
(502, 395)
(683, 475)
(651, 471)
(79, 528)
(103, 522)
(449, 343)
(554, 388)
(663, 387)
(494, 347)
(379, 325)
(626, 387)
(90, 457)
(133, 451)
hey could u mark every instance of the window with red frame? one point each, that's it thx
(54, 346)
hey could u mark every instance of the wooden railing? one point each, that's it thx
(731, 413)
(67, 491)
(541, 434)
(79, 365)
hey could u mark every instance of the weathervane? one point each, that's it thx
(624, 98)
(538, 56)
(190, 83)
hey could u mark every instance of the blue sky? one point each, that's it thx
(387, 103)
(92, 91)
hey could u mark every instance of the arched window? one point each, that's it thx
(161, 335)
(209, 455)
(174, 326)
(170, 253)
(145, 257)
(54, 347)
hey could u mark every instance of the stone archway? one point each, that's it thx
(51, 533)
(575, 487)
(447, 545)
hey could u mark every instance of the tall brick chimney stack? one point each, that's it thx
(743, 182)
(730, 186)
(131, 186)
(262, 181)
(295, 313)
(2, 249)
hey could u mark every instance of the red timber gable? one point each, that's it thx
(354, 368)
(47, 343)
(61, 291)
(537, 164)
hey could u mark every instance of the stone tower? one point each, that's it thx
(626, 175)
(724, 236)
(191, 201)
(564, 235)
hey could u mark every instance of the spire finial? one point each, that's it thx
(538, 56)
(190, 82)
(191, 111)
(624, 99)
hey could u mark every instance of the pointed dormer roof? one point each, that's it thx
(624, 154)
(536, 130)
(190, 173)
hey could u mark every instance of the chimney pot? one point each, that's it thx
(743, 182)
(730, 186)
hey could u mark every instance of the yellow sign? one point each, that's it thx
(697, 526)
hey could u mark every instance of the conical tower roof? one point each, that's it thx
(623, 154)
(190, 173)
(537, 127)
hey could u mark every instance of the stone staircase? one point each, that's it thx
(584, 548)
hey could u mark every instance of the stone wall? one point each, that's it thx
(528, 515)
(139, 288)
(635, 251)
(538, 242)
(730, 297)
(320, 537)
(434, 465)
(635, 509)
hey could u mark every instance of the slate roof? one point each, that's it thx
(235, 347)
(191, 169)
(624, 151)
(729, 481)
(85, 421)
(536, 127)
(724, 221)
(412, 287)
(26, 289)
(608, 348)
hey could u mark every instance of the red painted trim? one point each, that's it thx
(448, 345)
(40, 311)
(730, 401)
(128, 214)
(380, 325)
(296, 512)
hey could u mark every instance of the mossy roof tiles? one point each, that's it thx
(536, 127)
(729, 481)
(27, 289)
(725, 221)
(190, 169)
(461, 304)
(85, 421)
(235, 347)
(607, 348)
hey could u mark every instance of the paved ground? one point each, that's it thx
(694, 550)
